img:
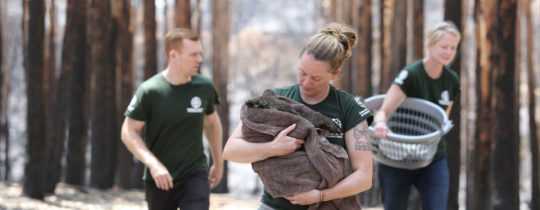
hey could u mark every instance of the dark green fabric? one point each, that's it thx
(174, 116)
(344, 109)
(415, 82)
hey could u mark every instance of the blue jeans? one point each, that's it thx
(432, 182)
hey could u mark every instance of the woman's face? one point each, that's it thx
(444, 50)
(313, 75)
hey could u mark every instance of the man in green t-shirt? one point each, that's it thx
(170, 111)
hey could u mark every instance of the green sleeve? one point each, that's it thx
(213, 100)
(355, 112)
(405, 81)
(138, 107)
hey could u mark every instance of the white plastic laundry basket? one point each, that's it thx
(416, 128)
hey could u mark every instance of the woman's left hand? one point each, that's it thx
(305, 198)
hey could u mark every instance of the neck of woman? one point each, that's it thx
(315, 98)
(433, 68)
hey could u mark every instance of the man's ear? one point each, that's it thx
(171, 53)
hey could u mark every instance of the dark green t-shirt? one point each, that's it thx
(415, 82)
(174, 116)
(344, 109)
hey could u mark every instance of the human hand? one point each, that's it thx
(215, 174)
(283, 144)
(381, 130)
(162, 177)
(306, 198)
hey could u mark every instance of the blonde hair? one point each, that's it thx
(436, 33)
(174, 38)
(333, 44)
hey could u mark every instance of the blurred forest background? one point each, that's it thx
(69, 69)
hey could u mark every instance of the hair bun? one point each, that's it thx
(345, 35)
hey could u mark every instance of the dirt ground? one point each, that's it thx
(68, 197)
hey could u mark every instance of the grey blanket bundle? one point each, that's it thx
(319, 165)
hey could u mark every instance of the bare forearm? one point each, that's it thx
(214, 134)
(380, 116)
(137, 147)
(239, 150)
(355, 183)
(360, 180)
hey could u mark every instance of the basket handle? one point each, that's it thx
(373, 141)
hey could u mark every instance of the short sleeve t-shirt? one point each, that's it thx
(174, 116)
(345, 110)
(443, 91)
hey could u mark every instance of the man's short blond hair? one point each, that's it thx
(174, 38)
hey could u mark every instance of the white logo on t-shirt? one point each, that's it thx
(340, 125)
(445, 98)
(401, 77)
(132, 103)
(365, 110)
(195, 105)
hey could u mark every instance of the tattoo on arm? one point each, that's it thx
(361, 137)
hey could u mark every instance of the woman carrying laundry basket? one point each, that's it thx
(432, 80)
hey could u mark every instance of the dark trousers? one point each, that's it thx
(431, 181)
(193, 193)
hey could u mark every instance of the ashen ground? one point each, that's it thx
(69, 197)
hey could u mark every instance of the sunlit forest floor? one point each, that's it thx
(68, 197)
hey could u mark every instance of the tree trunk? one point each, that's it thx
(418, 16)
(394, 42)
(74, 57)
(4, 96)
(182, 17)
(34, 181)
(362, 55)
(497, 142)
(534, 109)
(221, 17)
(104, 127)
(125, 75)
(197, 17)
(344, 10)
(150, 42)
(362, 72)
(453, 13)
(3, 102)
(57, 109)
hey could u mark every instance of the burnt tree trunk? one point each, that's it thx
(182, 14)
(393, 50)
(124, 72)
(221, 17)
(150, 42)
(74, 57)
(34, 181)
(497, 142)
(453, 13)
(105, 135)
(534, 109)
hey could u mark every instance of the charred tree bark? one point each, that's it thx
(34, 182)
(104, 129)
(453, 12)
(221, 17)
(150, 42)
(182, 15)
(74, 57)
(497, 142)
